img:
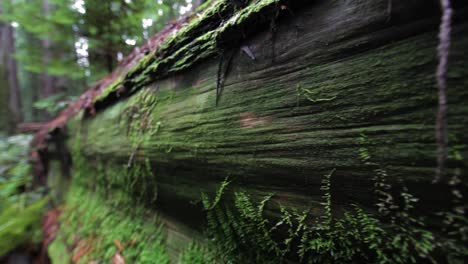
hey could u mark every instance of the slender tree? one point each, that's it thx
(7, 42)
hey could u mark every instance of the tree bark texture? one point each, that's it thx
(344, 86)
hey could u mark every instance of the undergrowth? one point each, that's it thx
(95, 228)
(116, 182)
(455, 222)
(246, 229)
(21, 205)
(241, 233)
(196, 254)
(104, 214)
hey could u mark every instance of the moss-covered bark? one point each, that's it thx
(331, 91)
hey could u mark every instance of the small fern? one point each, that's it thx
(196, 254)
(242, 233)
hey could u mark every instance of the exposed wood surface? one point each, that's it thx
(343, 82)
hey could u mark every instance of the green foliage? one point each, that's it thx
(385, 201)
(196, 254)
(206, 201)
(141, 182)
(106, 204)
(20, 224)
(21, 207)
(67, 45)
(55, 27)
(455, 222)
(412, 237)
(99, 223)
(106, 26)
(54, 103)
(234, 233)
(242, 233)
(456, 245)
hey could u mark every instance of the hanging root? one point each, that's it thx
(223, 69)
(273, 32)
(389, 10)
(441, 75)
(248, 51)
(219, 78)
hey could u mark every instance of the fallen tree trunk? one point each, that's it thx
(312, 106)
(30, 127)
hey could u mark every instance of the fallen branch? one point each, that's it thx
(30, 127)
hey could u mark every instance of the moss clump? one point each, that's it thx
(94, 229)
(221, 24)
(108, 90)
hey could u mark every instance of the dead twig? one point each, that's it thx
(441, 75)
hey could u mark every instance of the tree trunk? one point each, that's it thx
(10, 76)
(324, 109)
(109, 57)
(15, 93)
(5, 120)
(46, 79)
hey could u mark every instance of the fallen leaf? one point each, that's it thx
(118, 245)
(118, 259)
(83, 248)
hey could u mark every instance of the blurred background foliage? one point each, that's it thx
(50, 52)
(21, 205)
(63, 46)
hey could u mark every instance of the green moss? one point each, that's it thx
(105, 204)
(311, 96)
(111, 88)
(200, 39)
(91, 226)
(368, 115)
(191, 126)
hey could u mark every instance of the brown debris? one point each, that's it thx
(118, 245)
(118, 259)
(82, 249)
(250, 120)
(50, 226)
(30, 127)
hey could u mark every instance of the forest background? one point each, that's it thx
(52, 50)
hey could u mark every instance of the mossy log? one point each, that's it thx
(342, 86)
